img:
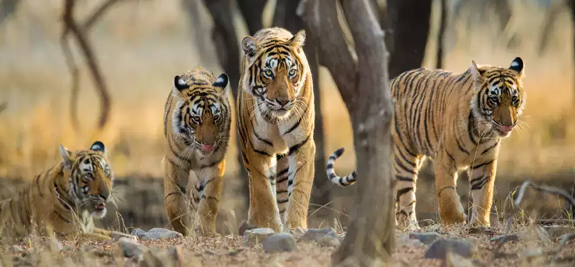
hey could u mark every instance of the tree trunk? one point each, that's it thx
(370, 236)
(572, 8)
(227, 49)
(441, 34)
(252, 11)
(409, 21)
(285, 16)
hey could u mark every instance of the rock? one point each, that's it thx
(298, 232)
(279, 243)
(156, 233)
(439, 248)
(532, 252)
(246, 226)
(509, 237)
(324, 237)
(556, 231)
(454, 260)
(256, 236)
(542, 234)
(117, 235)
(406, 242)
(130, 248)
(425, 238)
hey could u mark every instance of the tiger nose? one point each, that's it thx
(282, 102)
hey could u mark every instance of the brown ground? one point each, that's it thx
(227, 251)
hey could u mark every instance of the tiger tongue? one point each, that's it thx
(207, 148)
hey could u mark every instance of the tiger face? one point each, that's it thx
(202, 113)
(91, 178)
(277, 73)
(500, 97)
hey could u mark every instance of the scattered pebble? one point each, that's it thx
(156, 233)
(279, 243)
(510, 237)
(256, 236)
(425, 238)
(439, 248)
(130, 248)
(324, 237)
(246, 226)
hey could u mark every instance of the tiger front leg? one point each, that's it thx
(209, 189)
(263, 211)
(482, 182)
(175, 181)
(450, 208)
(301, 171)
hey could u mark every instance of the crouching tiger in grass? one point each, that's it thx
(63, 199)
(276, 124)
(197, 129)
(458, 120)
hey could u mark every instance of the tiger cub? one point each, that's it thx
(197, 122)
(64, 199)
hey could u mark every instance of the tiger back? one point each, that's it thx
(64, 199)
(197, 119)
(459, 121)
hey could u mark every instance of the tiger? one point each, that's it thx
(63, 200)
(197, 119)
(276, 115)
(458, 121)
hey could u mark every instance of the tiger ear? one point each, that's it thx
(250, 46)
(179, 85)
(67, 157)
(518, 66)
(99, 146)
(298, 39)
(222, 82)
(477, 73)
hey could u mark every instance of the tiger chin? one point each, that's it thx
(197, 120)
(64, 199)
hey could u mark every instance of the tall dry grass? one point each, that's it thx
(142, 44)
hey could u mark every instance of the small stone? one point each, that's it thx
(156, 233)
(298, 232)
(510, 237)
(532, 252)
(556, 231)
(246, 226)
(117, 235)
(406, 242)
(256, 236)
(130, 248)
(279, 243)
(314, 235)
(425, 238)
(439, 248)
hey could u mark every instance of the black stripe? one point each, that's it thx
(262, 152)
(172, 193)
(401, 192)
(245, 158)
(296, 124)
(297, 146)
(329, 166)
(403, 167)
(402, 178)
(460, 146)
(489, 148)
(37, 178)
(62, 218)
(262, 139)
(470, 128)
(282, 201)
(282, 172)
(282, 180)
(482, 164)
(447, 187)
(281, 191)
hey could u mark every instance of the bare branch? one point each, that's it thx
(70, 25)
(3, 106)
(98, 13)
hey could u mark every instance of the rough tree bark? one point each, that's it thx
(285, 16)
(71, 26)
(7, 8)
(370, 235)
(572, 8)
(409, 20)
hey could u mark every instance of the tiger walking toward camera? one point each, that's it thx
(197, 129)
(276, 122)
(64, 199)
(459, 121)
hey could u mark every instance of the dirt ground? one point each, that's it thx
(228, 251)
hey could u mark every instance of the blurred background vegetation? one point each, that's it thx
(139, 45)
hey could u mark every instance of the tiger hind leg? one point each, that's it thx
(209, 189)
(406, 167)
